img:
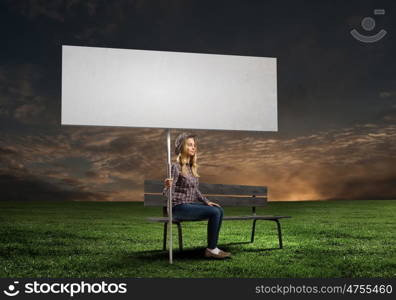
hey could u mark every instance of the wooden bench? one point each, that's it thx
(225, 195)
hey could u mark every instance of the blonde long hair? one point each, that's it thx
(183, 159)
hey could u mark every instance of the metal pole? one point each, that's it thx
(170, 199)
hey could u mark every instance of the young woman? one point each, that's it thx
(185, 192)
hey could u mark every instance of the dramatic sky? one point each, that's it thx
(336, 98)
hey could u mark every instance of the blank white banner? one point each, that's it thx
(163, 89)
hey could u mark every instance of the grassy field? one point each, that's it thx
(96, 239)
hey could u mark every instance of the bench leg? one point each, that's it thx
(180, 236)
(253, 231)
(165, 235)
(179, 228)
(279, 234)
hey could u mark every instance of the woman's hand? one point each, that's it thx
(168, 182)
(213, 204)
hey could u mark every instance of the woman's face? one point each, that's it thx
(190, 146)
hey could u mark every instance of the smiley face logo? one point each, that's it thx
(12, 290)
(368, 24)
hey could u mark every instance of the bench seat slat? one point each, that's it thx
(165, 219)
(254, 217)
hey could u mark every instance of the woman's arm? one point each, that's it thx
(200, 197)
(174, 175)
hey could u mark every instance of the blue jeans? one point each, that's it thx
(201, 211)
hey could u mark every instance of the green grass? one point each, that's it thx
(98, 239)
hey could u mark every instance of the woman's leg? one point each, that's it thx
(198, 211)
(214, 225)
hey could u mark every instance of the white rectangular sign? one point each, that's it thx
(163, 89)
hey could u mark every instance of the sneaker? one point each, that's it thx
(222, 254)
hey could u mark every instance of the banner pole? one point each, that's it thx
(170, 198)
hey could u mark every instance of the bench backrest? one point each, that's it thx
(223, 194)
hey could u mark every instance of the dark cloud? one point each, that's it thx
(23, 95)
(361, 186)
(57, 10)
(33, 189)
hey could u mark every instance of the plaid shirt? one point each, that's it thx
(184, 188)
